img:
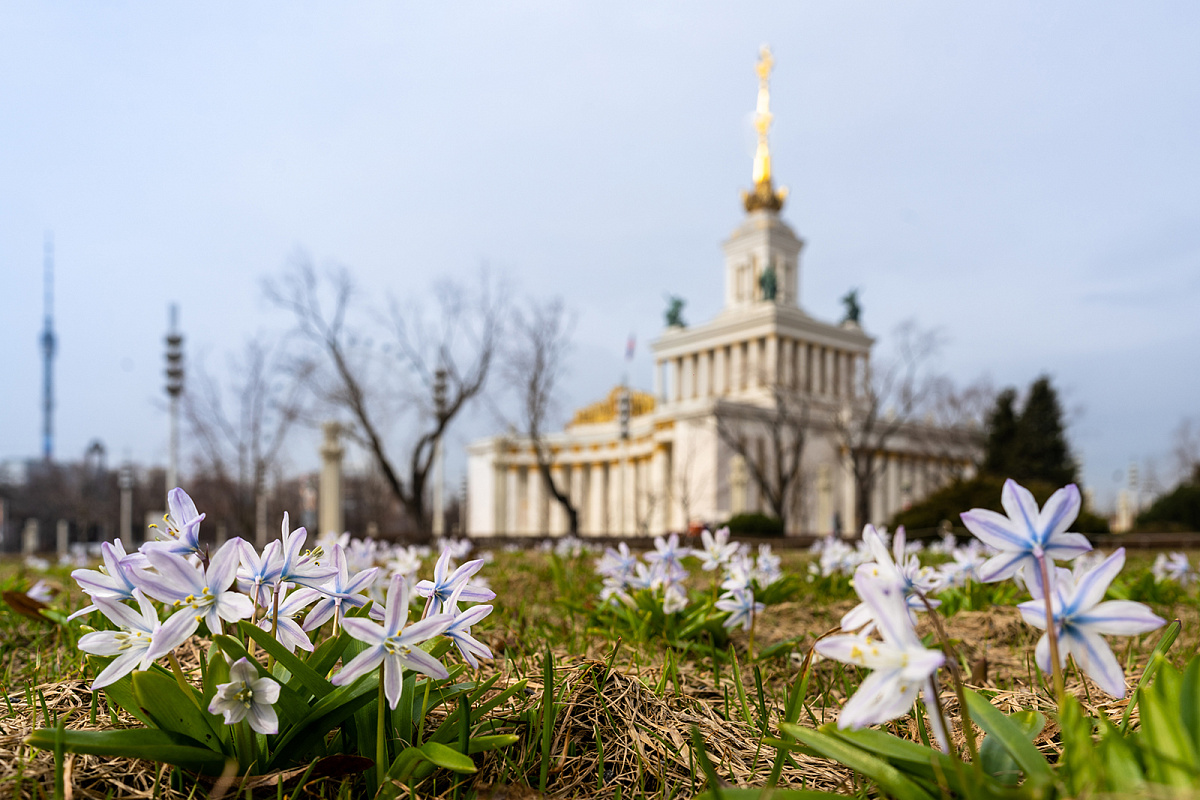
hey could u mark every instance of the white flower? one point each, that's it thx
(1080, 618)
(340, 592)
(111, 580)
(394, 645)
(182, 534)
(141, 641)
(287, 631)
(902, 666)
(1174, 567)
(459, 631)
(304, 568)
(201, 594)
(740, 603)
(247, 695)
(445, 583)
(716, 549)
(674, 599)
(1027, 536)
(616, 563)
(915, 581)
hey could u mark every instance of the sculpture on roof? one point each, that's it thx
(768, 282)
(674, 314)
(853, 309)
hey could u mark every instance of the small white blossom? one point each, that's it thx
(247, 695)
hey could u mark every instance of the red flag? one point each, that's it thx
(630, 346)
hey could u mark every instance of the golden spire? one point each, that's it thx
(764, 195)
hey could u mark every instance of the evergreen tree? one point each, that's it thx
(1001, 434)
(1039, 448)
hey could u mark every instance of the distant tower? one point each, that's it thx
(49, 345)
(174, 389)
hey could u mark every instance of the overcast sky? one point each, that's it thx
(1024, 176)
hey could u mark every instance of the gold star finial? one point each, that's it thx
(764, 194)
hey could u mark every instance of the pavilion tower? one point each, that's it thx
(762, 257)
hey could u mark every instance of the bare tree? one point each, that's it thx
(886, 402)
(449, 344)
(771, 440)
(540, 341)
(240, 425)
(953, 431)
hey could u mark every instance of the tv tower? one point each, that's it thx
(49, 344)
(174, 342)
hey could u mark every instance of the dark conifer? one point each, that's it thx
(1040, 450)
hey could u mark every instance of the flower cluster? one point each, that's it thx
(662, 572)
(171, 588)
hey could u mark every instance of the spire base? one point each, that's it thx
(764, 197)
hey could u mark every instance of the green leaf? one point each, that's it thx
(326, 654)
(774, 794)
(1162, 729)
(162, 699)
(120, 691)
(495, 741)
(997, 761)
(448, 758)
(890, 779)
(919, 760)
(1012, 737)
(325, 715)
(1157, 658)
(1189, 703)
(147, 743)
(313, 682)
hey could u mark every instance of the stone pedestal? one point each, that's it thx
(30, 538)
(329, 500)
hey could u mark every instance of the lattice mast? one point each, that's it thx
(49, 343)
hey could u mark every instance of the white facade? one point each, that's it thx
(674, 470)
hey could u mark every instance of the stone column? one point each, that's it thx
(500, 498)
(660, 488)
(771, 370)
(329, 497)
(787, 355)
(511, 500)
(535, 492)
(737, 484)
(720, 371)
(63, 538)
(736, 368)
(676, 377)
(658, 393)
(31, 538)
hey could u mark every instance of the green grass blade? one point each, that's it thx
(1013, 736)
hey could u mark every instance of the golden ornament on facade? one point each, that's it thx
(606, 410)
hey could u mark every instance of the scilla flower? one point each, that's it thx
(182, 526)
(1080, 618)
(1027, 536)
(902, 666)
(740, 603)
(394, 645)
(140, 641)
(247, 695)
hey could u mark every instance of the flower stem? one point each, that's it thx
(381, 761)
(1055, 665)
(956, 678)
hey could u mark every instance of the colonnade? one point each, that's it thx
(762, 362)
